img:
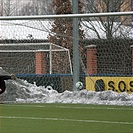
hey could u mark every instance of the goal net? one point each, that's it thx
(43, 51)
(34, 58)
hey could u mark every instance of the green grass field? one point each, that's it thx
(65, 118)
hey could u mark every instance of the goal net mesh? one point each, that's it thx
(44, 48)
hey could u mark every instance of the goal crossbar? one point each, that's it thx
(66, 16)
(27, 51)
(58, 47)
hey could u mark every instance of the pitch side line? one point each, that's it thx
(72, 107)
(70, 120)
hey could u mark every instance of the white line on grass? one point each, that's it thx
(70, 120)
(72, 107)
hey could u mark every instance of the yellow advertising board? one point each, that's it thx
(117, 84)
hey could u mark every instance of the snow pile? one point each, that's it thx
(24, 92)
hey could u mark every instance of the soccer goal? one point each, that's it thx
(44, 46)
(34, 58)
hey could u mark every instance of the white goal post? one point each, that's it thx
(66, 16)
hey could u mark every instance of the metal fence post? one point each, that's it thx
(75, 46)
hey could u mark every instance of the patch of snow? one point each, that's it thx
(39, 29)
(23, 92)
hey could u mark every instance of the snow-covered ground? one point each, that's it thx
(23, 92)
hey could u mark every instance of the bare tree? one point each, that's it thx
(109, 25)
(10, 7)
(25, 7)
(37, 7)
